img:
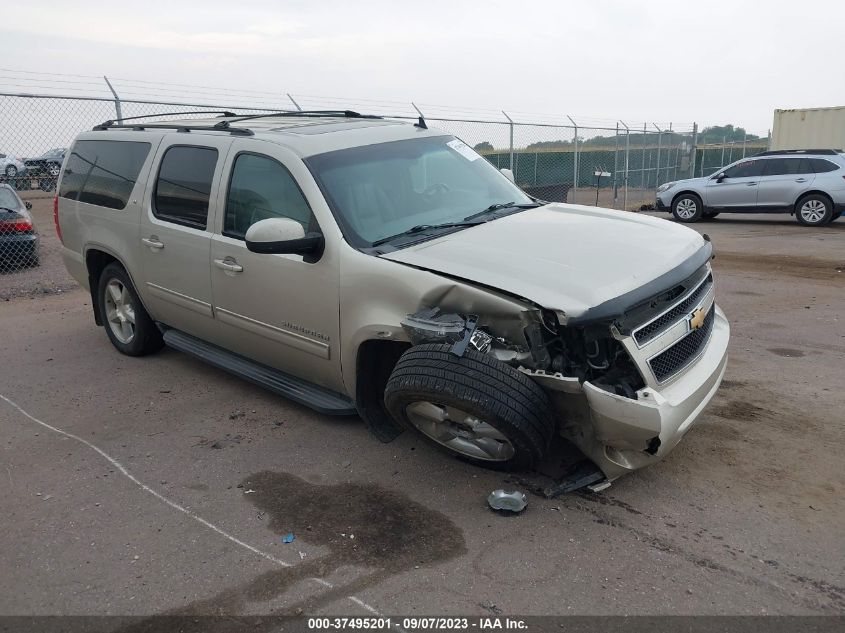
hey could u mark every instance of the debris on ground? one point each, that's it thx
(234, 415)
(288, 538)
(249, 492)
(487, 605)
(508, 501)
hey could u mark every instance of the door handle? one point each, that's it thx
(152, 242)
(228, 265)
(800, 180)
(751, 184)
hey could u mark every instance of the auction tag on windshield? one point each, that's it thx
(464, 150)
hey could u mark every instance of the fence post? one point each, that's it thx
(293, 101)
(117, 108)
(724, 142)
(659, 145)
(768, 140)
(510, 125)
(744, 139)
(694, 150)
(575, 167)
(616, 166)
(627, 155)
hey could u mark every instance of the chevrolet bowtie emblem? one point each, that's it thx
(696, 319)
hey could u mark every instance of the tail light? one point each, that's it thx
(20, 225)
(56, 218)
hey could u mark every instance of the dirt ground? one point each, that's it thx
(162, 485)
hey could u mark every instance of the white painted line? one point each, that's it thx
(176, 506)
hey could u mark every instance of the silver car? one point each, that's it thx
(11, 166)
(809, 184)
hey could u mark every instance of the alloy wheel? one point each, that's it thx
(120, 311)
(460, 431)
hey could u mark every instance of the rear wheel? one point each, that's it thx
(128, 326)
(814, 210)
(11, 171)
(473, 406)
(687, 207)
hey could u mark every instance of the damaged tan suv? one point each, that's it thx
(362, 265)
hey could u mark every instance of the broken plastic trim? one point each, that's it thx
(460, 348)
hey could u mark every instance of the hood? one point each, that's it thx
(564, 257)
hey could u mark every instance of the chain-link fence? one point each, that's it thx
(618, 167)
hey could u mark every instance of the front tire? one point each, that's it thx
(11, 171)
(687, 207)
(128, 326)
(814, 210)
(474, 406)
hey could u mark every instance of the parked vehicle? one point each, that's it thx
(356, 264)
(807, 183)
(45, 168)
(11, 166)
(18, 237)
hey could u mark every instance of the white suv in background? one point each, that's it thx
(809, 183)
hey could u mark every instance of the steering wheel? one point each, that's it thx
(436, 188)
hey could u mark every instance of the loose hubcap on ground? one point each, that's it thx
(686, 208)
(813, 210)
(120, 312)
(460, 431)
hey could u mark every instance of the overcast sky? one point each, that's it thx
(663, 61)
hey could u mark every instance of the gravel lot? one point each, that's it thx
(163, 485)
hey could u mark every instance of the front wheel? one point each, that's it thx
(814, 210)
(11, 171)
(687, 208)
(128, 326)
(474, 406)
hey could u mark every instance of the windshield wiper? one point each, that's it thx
(419, 228)
(498, 206)
(8, 209)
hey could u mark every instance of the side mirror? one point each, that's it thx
(720, 176)
(508, 174)
(283, 236)
(28, 205)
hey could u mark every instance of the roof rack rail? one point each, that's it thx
(781, 152)
(347, 114)
(185, 127)
(222, 113)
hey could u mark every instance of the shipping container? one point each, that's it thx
(809, 128)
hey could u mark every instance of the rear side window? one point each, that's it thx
(821, 166)
(183, 187)
(786, 166)
(103, 172)
(746, 169)
(262, 188)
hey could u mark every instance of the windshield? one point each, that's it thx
(8, 200)
(381, 190)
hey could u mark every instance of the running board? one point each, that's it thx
(318, 398)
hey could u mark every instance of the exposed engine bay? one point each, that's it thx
(541, 344)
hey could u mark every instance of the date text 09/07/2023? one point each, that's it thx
(417, 623)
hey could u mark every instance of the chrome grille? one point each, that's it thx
(673, 359)
(653, 329)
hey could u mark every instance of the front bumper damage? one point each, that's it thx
(621, 434)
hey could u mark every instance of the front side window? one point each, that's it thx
(745, 169)
(103, 172)
(183, 187)
(381, 190)
(262, 188)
